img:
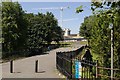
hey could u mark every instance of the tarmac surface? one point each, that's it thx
(25, 68)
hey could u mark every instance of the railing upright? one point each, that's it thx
(97, 69)
(71, 65)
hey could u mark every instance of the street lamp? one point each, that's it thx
(111, 27)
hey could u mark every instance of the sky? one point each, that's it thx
(71, 19)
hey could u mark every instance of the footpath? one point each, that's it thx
(25, 68)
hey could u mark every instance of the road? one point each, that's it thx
(25, 68)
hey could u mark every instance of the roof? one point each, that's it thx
(73, 34)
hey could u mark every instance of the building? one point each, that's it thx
(71, 37)
(66, 32)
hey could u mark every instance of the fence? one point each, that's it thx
(107, 76)
(65, 63)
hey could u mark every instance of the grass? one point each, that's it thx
(66, 44)
(84, 42)
(62, 42)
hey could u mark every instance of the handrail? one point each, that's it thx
(107, 76)
(108, 68)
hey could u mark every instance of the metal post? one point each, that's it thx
(111, 54)
(36, 66)
(96, 69)
(82, 73)
(11, 66)
(87, 73)
(71, 66)
(111, 27)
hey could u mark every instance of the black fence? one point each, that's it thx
(65, 63)
(88, 69)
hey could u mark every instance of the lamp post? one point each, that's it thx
(111, 27)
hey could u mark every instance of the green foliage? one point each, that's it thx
(96, 29)
(79, 9)
(43, 28)
(23, 34)
(13, 27)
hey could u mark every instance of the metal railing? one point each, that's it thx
(65, 63)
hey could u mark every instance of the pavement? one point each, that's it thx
(25, 68)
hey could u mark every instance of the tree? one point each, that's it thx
(112, 10)
(42, 29)
(57, 34)
(27, 32)
(14, 27)
(96, 29)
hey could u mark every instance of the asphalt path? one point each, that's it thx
(25, 68)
